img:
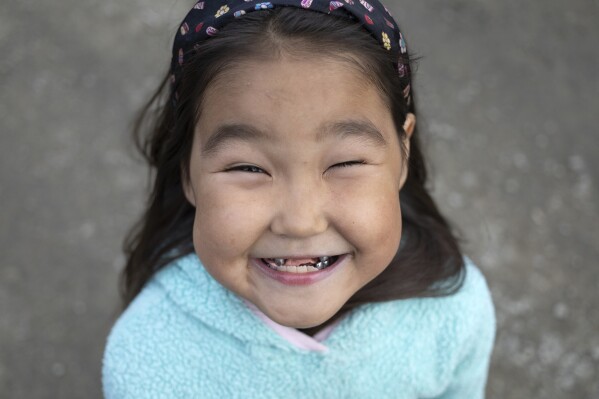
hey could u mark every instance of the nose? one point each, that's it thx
(300, 210)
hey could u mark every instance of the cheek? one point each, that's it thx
(224, 226)
(373, 218)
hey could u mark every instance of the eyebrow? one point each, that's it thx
(225, 134)
(363, 130)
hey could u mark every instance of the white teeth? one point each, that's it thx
(323, 258)
(301, 269)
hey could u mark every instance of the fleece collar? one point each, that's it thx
(198, 294)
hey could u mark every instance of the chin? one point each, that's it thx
(302, 323)
(300, 318)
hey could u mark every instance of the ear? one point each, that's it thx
(188, 189)
(408, 126)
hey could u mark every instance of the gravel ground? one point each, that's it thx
(506, 93)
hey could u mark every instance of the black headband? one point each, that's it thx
(208, 16)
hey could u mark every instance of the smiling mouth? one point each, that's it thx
(300, 265)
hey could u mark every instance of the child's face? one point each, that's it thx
(268, 181)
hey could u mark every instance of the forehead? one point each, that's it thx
(292, 97)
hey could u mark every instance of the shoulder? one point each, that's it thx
(150, 348)
(465, 321)
(448, 326)
(470, 301)
(150, 311)
(477, 300)
(468, 311)
(432, 342)
(129, 360)
(177, 337)
(474, 295)
(468, 331)
(442, 335)
(454, 320)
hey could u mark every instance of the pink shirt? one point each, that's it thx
(293, 336)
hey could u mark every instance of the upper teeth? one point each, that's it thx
(322, 261)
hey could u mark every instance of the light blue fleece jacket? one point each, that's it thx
(186, 336)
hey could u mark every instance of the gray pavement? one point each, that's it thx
(508, 95)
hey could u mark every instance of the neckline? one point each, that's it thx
(294, 336)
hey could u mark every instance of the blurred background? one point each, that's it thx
(508, 93)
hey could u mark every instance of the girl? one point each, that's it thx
(275, 258)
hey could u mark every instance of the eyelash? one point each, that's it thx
(349, 163)
(255, 169)
(246, 168)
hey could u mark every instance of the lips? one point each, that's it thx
(299, 270)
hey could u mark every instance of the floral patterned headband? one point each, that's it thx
(208, 16)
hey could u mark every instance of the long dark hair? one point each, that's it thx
(429, 261)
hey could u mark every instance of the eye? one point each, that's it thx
(246, 168)
(347, 164)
